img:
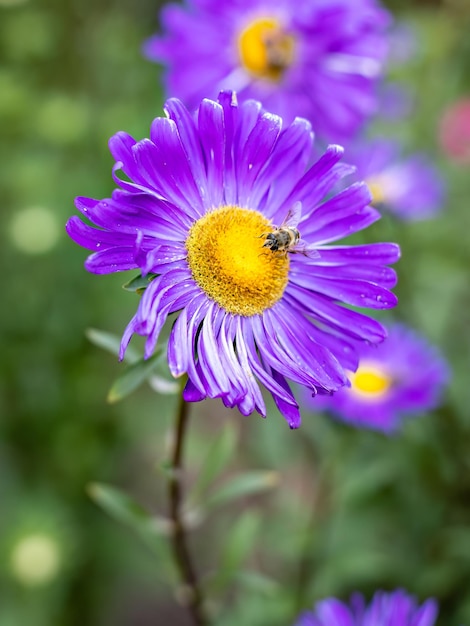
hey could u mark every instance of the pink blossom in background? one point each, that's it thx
(454, 131)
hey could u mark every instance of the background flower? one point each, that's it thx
(400, 377)
(385, 609)
(201, 200)
(409, 187)
(454, 131)
(320, 60)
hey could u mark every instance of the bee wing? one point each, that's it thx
(293, 216)
(301, 247)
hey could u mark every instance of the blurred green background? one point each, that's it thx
(347, 510)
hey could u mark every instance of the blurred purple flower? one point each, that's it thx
(396, 101)
(320, 60)
(403, 43)
(402, 376)
(198, 207)
(396, 608)
(411, 188)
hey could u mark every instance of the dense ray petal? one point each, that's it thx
(211, 125)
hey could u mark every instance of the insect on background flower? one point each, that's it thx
(402, 376)
(396, 608)
(195, 209)
(411, 188)
(320, 60)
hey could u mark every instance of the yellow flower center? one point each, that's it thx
(229, 263)
(369, 381)
(265, 49)
(377, 190)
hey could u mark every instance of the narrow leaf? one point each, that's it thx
(243, 485)
(139, 283)
(133, 377)
(122, 507)
(257, 582)
(109, 342)
(163, 385)
(217, 457)
(239, 541)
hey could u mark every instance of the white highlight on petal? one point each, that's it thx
(351, 64)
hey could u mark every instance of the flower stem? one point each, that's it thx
(192, 591)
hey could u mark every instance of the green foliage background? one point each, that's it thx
(327, 509)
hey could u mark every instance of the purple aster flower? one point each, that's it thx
(253, 298)
(320, 60)
(396, 101)
(386, 609)
(402, 376)
(411, 188)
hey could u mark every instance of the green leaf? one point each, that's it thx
(243, 485)
(239, 540)
(139, 283)
(121, 507)
(217, 457)
(109, 342)
(164, 385)
(255, 582)
(133, 377)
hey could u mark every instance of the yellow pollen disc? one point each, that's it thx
(229, 263)
(265, 49)
(376, 188)
(369, 381)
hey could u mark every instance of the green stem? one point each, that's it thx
(193, 595)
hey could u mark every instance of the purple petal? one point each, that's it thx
(166, 168)
(289, 410)
(93, 238)
(117, 259)
(353, 291)
(319, 363)
(351, 200)
(344, 320)
(256, 152)
(288, 160)
(342, 227)
(211, 128)
(251, 358)
(191, 142)
(384, 276)
(318, 180)
(218, 383)
(380, 253)
(229, 104)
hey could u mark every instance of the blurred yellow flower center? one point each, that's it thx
(265, 49)
(376, 188)
(228, 261)
(369, 381)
